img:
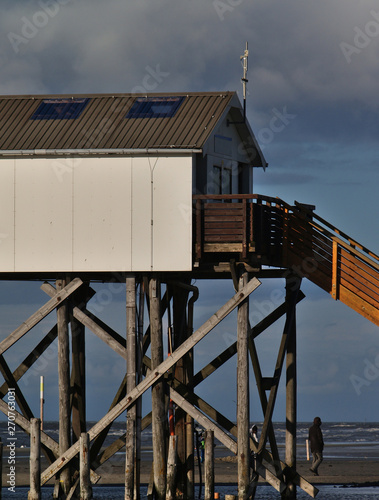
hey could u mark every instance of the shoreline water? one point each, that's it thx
(360, 470)
(339, 479)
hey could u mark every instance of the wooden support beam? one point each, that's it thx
(64, 386)
(131, 415)
(31, 358)
(85, 483)
(278, 370)
(209, 473)
(203, 420)
(263, 400)
(39, 315)
(232, 350)
(139, 367)
(159, 421)
(11, 382)
(243, 400)
(130, 398)
(78, 372)
(111, 338)
(183, 372)
(293, 283)
(171, 468)
(35, 460)
(24, 423)
(1, 466)
(98, 327)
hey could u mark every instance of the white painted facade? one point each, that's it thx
(79, 214)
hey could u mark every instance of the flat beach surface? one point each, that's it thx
(332, 471)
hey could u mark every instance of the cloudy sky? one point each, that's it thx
(313, 63)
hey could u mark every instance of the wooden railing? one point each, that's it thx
(245, 224)
(269, 231)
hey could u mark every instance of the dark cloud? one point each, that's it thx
(312, 102)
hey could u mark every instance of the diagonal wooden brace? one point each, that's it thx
(154, 376)
(39, 315)
(46, 440)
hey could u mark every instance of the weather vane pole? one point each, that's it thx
(244, 79)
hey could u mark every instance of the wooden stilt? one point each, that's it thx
(1, 466)
(157, 391)
(78, 375)
(243, 394)
(64, 386)
(84, 457)
(292, 286)
(183, 423)
(130, 384)
(190, 441)
(209, 473)
(35, 460)
(171, 469)
(139, 350)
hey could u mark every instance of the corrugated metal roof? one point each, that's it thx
(102, 123)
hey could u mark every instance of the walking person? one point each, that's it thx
(317, 444)
(202, 447)
(253, 455)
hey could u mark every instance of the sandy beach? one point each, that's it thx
(332, 471)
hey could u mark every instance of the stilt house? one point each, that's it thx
(152, 190)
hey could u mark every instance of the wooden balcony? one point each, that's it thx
(250, 226)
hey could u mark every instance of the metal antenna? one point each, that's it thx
(244, 79)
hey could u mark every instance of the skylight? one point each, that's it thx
(155, 107)
(60, 109)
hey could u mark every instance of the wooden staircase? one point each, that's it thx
(266, 231)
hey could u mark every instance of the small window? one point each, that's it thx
(155, 107)
(60, 109)
(221, 182)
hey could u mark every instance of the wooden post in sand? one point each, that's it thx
(35, 460)
(243, 394)
(171, 469)
(209, 473)
(84, 457)
(157, 391)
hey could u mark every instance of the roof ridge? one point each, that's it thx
(115, 95)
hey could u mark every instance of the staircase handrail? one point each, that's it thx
(351, 244)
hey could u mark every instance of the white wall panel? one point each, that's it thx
(43, 230)
(7, 215)
(172, 208)
(102, 214)
(142, 213)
